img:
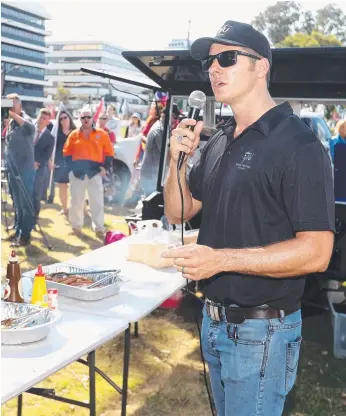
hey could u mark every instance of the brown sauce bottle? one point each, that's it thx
(14, 277)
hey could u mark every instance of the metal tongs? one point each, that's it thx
(59, 275)
(23, 320)
(95, 284)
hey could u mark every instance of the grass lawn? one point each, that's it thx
(165, 369)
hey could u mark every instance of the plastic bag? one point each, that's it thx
(149, 242)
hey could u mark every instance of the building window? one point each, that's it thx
(112, 49)
(23, 85)
(8, 30)
(25, 69)
(69, 60)
(78, 47)
(16, 14)
(29, 53)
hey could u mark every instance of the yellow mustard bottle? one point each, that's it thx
(39, 291)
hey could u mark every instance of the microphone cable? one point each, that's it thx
(192, 296)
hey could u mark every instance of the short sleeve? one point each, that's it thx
(154, 140)
(67, 149)
(108, 147)
(28, 128)
(195, 180)
(307, 189)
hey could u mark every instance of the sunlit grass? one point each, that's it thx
(165, 367)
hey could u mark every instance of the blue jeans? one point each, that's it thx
(253, 375)
(23, 204)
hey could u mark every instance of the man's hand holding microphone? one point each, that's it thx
(194, 261)
(183, 139)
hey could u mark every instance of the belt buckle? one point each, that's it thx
(214, 313)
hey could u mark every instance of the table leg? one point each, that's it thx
(136, 330)
(126, 369)
(20, 405)
(92, 384)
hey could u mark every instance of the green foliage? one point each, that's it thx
(62, 94)
(278, 20)
(304, 40)
(331, 20)
(285, 18)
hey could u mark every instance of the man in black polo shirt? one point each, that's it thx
(265, 184)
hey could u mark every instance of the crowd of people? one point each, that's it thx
(76, 156)
(77, 159)
(80, 158)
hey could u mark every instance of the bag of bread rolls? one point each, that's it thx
(149, 253)
(149, 243)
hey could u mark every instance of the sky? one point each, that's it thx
(143, 24)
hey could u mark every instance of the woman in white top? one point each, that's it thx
(134, 128)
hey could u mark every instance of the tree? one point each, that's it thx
(308, 23)
(304, 40)
(62, 94)
(285, 18)
(277, 21)
(331, 20)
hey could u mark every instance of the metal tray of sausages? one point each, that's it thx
(110, 286)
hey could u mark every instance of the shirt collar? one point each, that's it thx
(41, 131)
(229, 126)
(340, 139)
(266, 123)
(93, 128)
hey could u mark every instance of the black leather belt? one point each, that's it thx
(237, 315)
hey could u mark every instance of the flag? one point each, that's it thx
(100, 109)
(125, 110)
(55, 128)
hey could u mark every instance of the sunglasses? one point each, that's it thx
(86, 117)
(103, 118)
(63, 118)
(225, 59)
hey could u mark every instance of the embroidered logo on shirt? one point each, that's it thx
(245, 162)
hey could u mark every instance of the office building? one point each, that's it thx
(23, 52)
(65, 60)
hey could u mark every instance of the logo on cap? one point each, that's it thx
(223, 30)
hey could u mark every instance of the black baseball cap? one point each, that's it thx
(236, 34)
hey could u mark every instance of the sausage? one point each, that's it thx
(79, 284)
(70, 280)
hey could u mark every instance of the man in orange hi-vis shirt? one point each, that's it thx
(88, 152)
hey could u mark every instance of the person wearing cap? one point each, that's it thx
(134, 128)
(88, 152)
(264, 185)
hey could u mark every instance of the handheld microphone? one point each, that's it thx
(197, 100)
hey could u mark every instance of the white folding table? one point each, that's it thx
(75, 335)
(142, 290)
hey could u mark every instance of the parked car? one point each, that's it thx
(125, 152)
(319, 126)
